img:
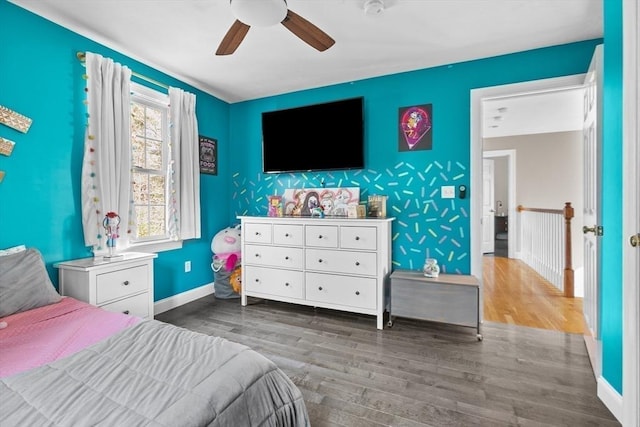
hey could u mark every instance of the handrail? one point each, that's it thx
(521, 208)
(568, 213)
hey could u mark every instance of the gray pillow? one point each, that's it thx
(24, 283)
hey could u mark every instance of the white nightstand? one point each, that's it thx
(123, 284)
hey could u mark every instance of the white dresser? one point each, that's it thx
(123, 284)
(336, 263)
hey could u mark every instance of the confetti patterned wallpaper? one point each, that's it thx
(426, 225)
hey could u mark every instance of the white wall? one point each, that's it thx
(548, 174)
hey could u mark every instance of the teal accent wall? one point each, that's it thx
(41, 78)
(612, 241)
(425, 223)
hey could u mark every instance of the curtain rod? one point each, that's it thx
(81, 57)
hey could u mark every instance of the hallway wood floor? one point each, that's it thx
(516, 294)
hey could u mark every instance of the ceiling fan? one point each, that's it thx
(264, 13)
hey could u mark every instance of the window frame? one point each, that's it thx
(144, 95)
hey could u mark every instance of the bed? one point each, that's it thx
(65, 362)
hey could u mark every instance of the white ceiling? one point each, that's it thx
(179, 37)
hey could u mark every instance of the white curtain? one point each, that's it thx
(184, 189)
(106, 167)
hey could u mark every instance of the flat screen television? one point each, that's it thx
(318, 137)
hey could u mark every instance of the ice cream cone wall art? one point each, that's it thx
(415, 128)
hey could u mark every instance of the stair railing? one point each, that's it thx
(546, 244)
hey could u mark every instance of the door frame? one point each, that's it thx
(492, 221)
(475, 170)
(631, 213)
(511, 190)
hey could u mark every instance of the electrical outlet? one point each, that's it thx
(187, 266)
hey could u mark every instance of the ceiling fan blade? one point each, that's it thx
(307, 32)
(233, 38)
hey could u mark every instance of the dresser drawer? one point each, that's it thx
(256, 233)
(364, 238)
(273, 256)
(137, 305)
(288, 234)
(120, 283)
(360, 263)
(321, 236)
(341, 290)
(285, 283)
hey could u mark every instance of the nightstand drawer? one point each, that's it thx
(120, 283)
(137, 305)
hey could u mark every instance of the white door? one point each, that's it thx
(488, 210)
(592, 136)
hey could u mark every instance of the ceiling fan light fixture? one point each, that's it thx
(373, 7)
(259, 13)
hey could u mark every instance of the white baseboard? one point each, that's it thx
(182, 298)
(610, 397)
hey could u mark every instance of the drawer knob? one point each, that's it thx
(286, 234)
(257, 280)
(357, 237)
(357, 292)
(257, 255)
(125, 312)
(320, 260)
(357, 263)
(286, 284)
(286, 257)
(320, 236)
(319, 288)
(257, 233)
(126, 283)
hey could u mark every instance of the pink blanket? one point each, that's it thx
(42, 335)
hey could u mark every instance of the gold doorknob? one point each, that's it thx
(635, 240)
(596, 229)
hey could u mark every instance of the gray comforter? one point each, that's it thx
(154, 374)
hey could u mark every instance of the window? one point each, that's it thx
(150, 154)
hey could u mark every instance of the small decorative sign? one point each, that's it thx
(6, 146)
(14, 120)
(208, 155)
(415, 126)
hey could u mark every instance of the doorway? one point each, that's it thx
(504, 235)
(476, 170)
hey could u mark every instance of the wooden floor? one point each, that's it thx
(415, 373)
(515, 294)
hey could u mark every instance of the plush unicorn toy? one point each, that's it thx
(226, 248)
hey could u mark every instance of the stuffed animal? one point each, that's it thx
(226, 248)
(236, 280)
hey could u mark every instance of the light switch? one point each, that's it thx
(448, 192)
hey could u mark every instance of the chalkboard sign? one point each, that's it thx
(208, 155)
